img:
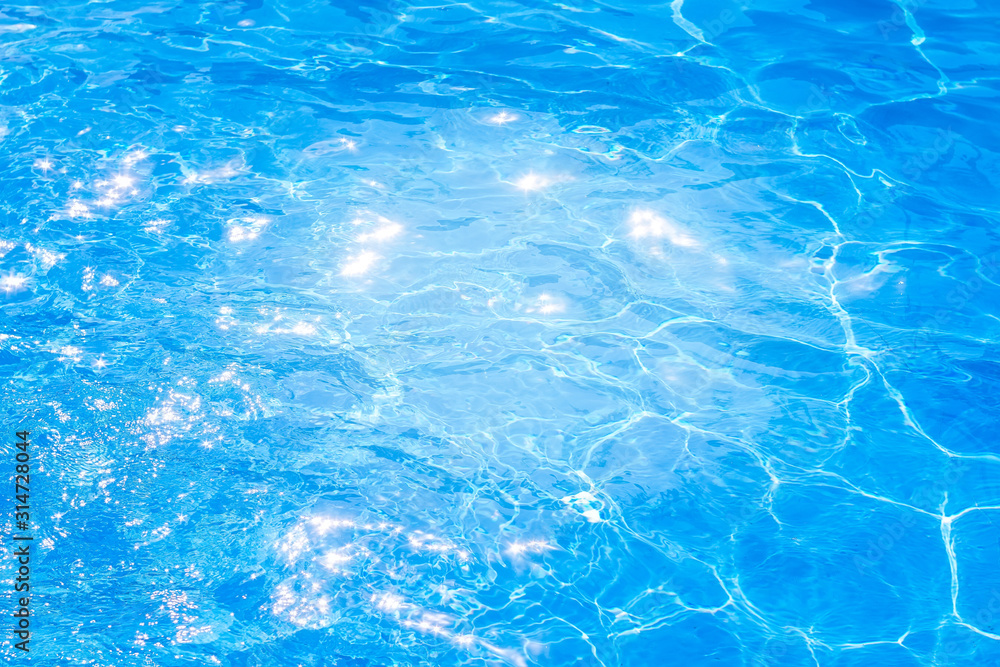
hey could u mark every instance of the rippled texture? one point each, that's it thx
(505, 332)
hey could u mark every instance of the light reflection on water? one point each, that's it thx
(489, 334)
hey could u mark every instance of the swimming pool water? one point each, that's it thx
(503, 333)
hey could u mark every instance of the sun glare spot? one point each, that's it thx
(546, 304)
(647, 224)
(249, 230)
(155, 225)
(359, 264)
(386, 230)
(389, 602)
(503, 118)
(78, 209)
(135, 156)
(12, 282)
(532, 547)
(532, 181)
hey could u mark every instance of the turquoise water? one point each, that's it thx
(503, 333)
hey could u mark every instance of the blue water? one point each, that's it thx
(503, 333)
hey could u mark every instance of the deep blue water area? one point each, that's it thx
(504, 333)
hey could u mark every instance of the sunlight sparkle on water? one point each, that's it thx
(386, 230)
(12, 282)
(503, 118)
(532, 181)
(648, 224)
(359, 264)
